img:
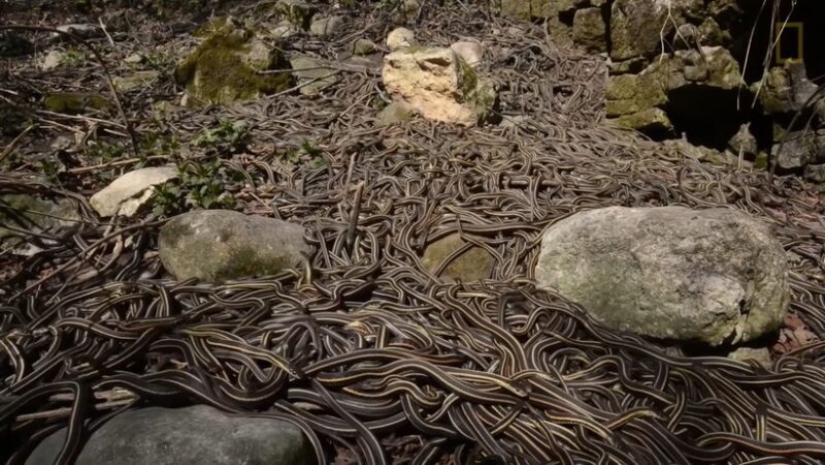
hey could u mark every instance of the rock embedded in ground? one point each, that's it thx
(399, 38)
(362, 47)
(51, 60)
(230, 66)
(135, 80)
(473, 263)
(325, 26)
(438, 84)
(196, 435)
(75, 102)
(743, 141)
(395, 113)
(38, 214)
(799, 149)
(219, 245)
(126, 194)
(713, 276)
(761, 356)
(470, 50)
(313, 75)
(589, 30)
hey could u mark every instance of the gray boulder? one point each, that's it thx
(217, 245)
(670, 272)
(198, 435)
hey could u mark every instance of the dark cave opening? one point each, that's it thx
(710, 116)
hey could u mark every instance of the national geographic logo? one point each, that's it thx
(789, 44)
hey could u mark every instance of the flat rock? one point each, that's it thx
(713, 276)
(466, 263)
(132, 190)
(197, 435)
(135, 80)
(325, 26)
(217, 245)
(313, 76)
(761, 355)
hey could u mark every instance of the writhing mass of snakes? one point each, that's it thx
(367, 345)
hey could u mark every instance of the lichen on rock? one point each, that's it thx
(227, 67)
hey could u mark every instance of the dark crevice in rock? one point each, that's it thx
(566, 17)
(707, 115)
(606, 15)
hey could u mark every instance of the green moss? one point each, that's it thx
(217, 72)
(74, 102)
(761, 161)
(214, 26)
(475, 91)
(650, 120)
(247, 262)
(627, 94)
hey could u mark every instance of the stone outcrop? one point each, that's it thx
(438, 84)
(714, 276)
(678, 67)
(226, 68)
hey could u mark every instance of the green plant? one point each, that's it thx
(51, 169)
(229, 136)
(199, 186)
(307, 153)
(73, 56)
(159, 62)
(104, 151)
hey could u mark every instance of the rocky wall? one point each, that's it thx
(704, 70)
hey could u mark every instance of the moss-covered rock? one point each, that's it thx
(631, 93)
(363, 47)
(218, 245)
(637, 26)
(473, 264)
(649, 121)
(75, 102)
(227, 67)
(589, 30)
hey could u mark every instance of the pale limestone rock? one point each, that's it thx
(132, 190)
(470, 50)
(399, 38)
(438, 84)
